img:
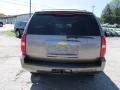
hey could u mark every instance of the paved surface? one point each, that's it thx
(13, 77)
(7, 27)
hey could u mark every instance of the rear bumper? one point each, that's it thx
(48, 67)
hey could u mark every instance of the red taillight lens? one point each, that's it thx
(103, 46)
(23, 44)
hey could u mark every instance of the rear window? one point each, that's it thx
(83, 25)
(23, 24)
(17, 24)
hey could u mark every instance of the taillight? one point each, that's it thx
(103, 46)
(23, 44)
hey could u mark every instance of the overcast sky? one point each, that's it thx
(13, 7)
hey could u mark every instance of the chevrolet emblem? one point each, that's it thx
(62, 44)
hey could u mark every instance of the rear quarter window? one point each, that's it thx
(17, 24)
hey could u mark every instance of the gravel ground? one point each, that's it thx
(7, 27)
(13, 77)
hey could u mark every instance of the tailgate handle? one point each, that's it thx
(73, 40)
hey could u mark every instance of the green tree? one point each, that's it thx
(111, 13)
(115, 6)
(99, 20)
(107, 15)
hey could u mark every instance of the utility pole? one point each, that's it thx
(93, 8)
(30, 8)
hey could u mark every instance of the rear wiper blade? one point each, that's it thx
(78, 36)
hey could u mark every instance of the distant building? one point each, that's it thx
(8, 19)
(1, 15)
(13, 18)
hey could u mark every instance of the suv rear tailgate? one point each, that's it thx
(63, 37)
(60, 48)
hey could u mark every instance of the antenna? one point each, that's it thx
(93, 8)
(30, 8)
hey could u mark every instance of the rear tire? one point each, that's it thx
(35, 77)
(18, 34)
(91, 75)
(106, 35)
(94, 74)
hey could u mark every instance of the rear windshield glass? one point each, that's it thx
(83, 25)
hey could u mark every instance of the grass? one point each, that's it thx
(9, 33)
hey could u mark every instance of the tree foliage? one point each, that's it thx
(107, 14)
(111, 13)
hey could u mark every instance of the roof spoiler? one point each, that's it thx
(64, 12)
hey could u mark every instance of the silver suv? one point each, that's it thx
(63, 41)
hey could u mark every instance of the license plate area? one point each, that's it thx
(63, 50)
(60, 71)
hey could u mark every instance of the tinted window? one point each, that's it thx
(23, 24)
(17, 24)
(84, 25)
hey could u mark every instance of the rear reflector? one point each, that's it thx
(23, 44)
(103, 46)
